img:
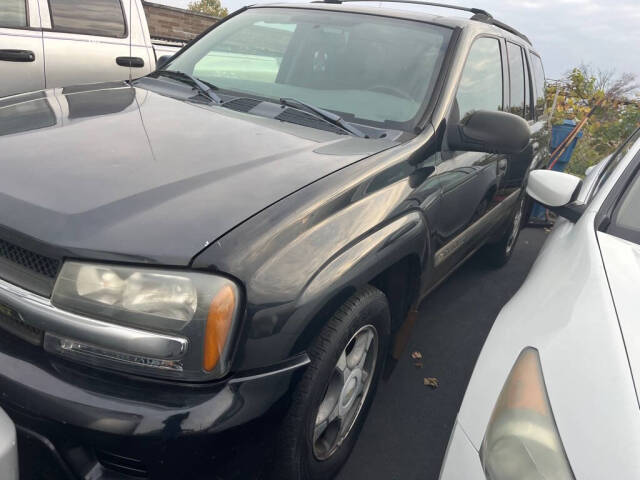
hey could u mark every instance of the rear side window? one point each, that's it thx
(13, 14)
(539, 85)
(518, 81)
(103, 18)
(481, 83)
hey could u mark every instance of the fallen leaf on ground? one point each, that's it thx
(547, 230)
(416, 355)
(417, 364)
(431, 382)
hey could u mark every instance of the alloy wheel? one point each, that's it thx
(346, 392)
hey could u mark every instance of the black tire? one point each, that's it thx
(294, 457)
(498, 254)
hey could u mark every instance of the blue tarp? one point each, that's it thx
(558, 134)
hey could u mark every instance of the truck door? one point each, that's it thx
(88, 41)
(470, 180)
(21, 54)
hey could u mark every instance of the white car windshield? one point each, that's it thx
(626, 217)
(369, 69)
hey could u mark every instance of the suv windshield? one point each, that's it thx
(368, 69)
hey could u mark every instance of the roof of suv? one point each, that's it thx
(385, 10)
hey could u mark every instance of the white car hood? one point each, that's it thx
(565, 311)
(622, 264)
(578, 308)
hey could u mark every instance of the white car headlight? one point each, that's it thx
(522, 440)
(191, 312)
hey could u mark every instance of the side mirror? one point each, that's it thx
(490, 132)
(556, 191)
(162, 61)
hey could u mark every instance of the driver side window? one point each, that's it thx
(480, 86)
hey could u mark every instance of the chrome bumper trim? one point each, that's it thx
(294, 363)
(38, 312)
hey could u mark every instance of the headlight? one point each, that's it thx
(522, 440)
(192, 310)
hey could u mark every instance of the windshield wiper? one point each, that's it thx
(205, 88)
(325, 115)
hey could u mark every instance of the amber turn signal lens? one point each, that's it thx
(525, 389)
(218, 326)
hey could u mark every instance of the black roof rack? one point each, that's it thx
(476, 11)
(479, 15)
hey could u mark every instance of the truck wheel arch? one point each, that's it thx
(390, 258)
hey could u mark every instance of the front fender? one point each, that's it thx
(323, 241)
(358, 264)
(344, 251)
(402, 238)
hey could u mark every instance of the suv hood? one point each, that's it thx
(114, 172)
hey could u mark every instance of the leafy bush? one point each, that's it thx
(615, 119)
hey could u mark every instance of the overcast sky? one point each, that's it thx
(604, 33)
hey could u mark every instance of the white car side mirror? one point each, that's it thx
(552, 189)
(557, 191)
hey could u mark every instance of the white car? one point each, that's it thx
(554, 394)
(8, 449)
(57, 43)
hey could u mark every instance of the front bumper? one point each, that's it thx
(92, 424)
(462, 461)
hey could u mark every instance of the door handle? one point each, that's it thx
(133, 62)
(24, 56)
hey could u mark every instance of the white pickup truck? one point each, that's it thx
(55, 43)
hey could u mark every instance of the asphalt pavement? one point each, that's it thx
(407, 430)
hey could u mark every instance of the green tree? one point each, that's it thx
(617, 116)
(210, 7)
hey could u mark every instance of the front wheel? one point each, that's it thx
(332, 400)
(498, 254)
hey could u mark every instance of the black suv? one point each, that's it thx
(216, 257)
